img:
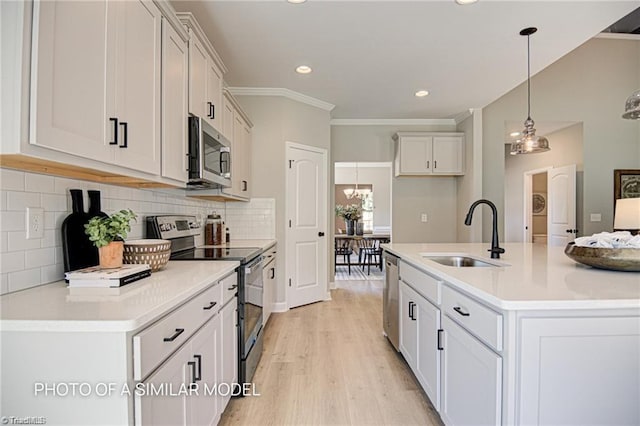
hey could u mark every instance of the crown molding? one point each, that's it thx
(280, 91)
(391, 121)
(618, 36)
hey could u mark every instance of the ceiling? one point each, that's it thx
(370, 57)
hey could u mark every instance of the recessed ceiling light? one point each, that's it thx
(296, 1)
(514, 134)
(422, 93)
(466, 1)
(303, 69)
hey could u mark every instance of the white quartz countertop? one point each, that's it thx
(537, 277)
(55, 307)
(261, 244)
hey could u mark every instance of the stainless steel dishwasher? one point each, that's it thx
(390, 295)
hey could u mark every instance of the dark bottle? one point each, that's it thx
(78, 251)
(95, 208)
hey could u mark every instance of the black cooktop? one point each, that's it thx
(243, 255)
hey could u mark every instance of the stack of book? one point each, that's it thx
(94, 276)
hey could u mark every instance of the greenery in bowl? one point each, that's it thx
(349, 212)
(103, 230)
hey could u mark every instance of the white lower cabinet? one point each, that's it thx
(228, 362)
(471, 379)
(182, 384)
(420, 321)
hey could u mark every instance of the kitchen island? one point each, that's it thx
(89, 356)
(530, 338)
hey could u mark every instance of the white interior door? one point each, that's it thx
(561, 213)
(306, 224)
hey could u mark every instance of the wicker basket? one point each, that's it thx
(155, 253)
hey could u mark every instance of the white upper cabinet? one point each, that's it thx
(206, 72)
(423, 153)
(96, 73)
(237, 128)
(174, 106)
(69, 95)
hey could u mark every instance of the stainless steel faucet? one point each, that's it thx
(495, 250)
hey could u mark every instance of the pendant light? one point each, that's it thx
(632, 106)
(530, 143)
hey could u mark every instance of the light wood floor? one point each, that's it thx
(329, 364)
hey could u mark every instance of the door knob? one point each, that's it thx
(320, 234)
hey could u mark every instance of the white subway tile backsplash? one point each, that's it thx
(4, 283)
(19, 201)
(57, 202)
(24, 279)
(40, 257)
(12, 221)
(51, 273)
(17, 240)
(38, 183)
(26, 263)
(11, 261)
(11, 180)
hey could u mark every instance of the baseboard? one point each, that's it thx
(280, 307)
(332, 285)
(327, 297)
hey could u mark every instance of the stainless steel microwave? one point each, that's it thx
(209, 156)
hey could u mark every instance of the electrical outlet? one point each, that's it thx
(423, 217)
(596, 217)
(35, 223)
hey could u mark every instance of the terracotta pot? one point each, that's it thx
(111, 255)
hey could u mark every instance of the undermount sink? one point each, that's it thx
(459, 261)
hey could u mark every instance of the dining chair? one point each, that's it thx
(343, 248)
(369, 252)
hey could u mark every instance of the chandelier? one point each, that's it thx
(356, 193)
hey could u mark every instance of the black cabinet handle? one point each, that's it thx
(211, 305)
(440, 339)
(192, 383)
(273, 273)
(178, 332)
(199, 371)
(459, 310)
(211, 110)
(126, 134)
(233, 287)
(435, 164)
(115, 131)
(244, 185)
(411, 313)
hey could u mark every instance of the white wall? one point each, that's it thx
(588, 85)
(469, 186)
(277, 120)
(566, 148)
(380, 178)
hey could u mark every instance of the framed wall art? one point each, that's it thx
(539, 204)
(626, 184)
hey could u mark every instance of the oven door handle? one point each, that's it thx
(257, 262)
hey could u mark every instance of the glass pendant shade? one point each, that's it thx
(632, 106)
(530, 143)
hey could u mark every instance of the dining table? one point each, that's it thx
(354, 241)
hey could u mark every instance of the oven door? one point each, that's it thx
(252, 302)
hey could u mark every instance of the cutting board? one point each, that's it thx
(78, 251)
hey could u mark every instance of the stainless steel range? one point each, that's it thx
(182, 230)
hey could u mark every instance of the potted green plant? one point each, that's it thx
(351, 213)
(108, 234)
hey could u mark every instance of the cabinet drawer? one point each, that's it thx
(475, 317)
(229, 285)
(155, 343)
(423, 283)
